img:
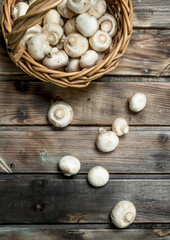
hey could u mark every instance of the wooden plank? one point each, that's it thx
(143, 150)
(45, 199)
(27, 103)
(147, 55)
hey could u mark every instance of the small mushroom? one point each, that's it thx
(64, 10)
(120, 127)
(100, 41)
(75, 45)
(98, 8)
(54, 32)
(20, 9)
(52, 16)
(60, 114)
(31, 32)
(98, 176)
(137, 102)
(73, 65)
(70, 26)
(107, 23)
(87, 25)
(107, 141)
(89, 59)
(38, 46)
(69, 165)
(123, 214)
(57, 60)
(79, 6)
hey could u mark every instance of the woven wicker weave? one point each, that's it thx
(14, 31)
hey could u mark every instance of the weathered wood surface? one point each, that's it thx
(143, 150)
(45, 199)
(147, 55)
(27, 103)
(84, 234)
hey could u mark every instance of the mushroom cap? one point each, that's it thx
(89, 59)
(54, 31)
(137, 102)
(79, 6)
(73, 65)
(123, 214)
(107, 141)
(120, 127)
(58, 59)
(60, 114)
(70, 26)
(75, 45)
(31, 32)
(98, 176)
(64, 10)
(100, 41)
(87, 25)
(52, 16)
(20, 9)
(98, 8)
(107, 23)
(69, 165)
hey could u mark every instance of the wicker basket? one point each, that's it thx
(13, 32)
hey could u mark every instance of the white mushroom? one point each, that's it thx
(69, 165)
(100, 41)
(89, 59)
(137, 102)
(70, 26)
(98, 176)
(60, 114)
(87, 25)
(120, 127)
(98, 8)
(79, 6)
(20, 9)
(54, 32)
(123, 214)
(38, 46)
(107, 23)
(107, 141)
(52, 16)
(64, 10)
(31, 32)
(57, 60)
(75, 45)
(73, 65)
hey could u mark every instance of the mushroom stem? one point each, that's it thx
(129, 217)
(125, 129)
(102, 130)
(60, 113)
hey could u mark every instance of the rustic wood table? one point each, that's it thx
(37, 202)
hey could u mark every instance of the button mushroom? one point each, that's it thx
(54, 32)
(107, 23)
(52, 16)
(120, 127)
(98, 176)
(79, 6)
(87, 25)
(57, 60)
(98, 8)
(64, 10)
(107, 141)
(69, 165)
(137, 102)
(31, 32)
(123, 214)
(75, 45)
(60, 114)
(20, 9)
(100, 41)
(89, 59)
(73, 65)
(70, 26)
(38, 46)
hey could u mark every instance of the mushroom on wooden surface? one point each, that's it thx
(120, 127)
(69, 165)
(137, 102)
(98, 176)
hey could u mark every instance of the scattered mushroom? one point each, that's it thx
(73, 65)
(54, 32)
(70, 26)
(31, 32)
(123, 214)
(98, 8)
(137, 102)
(64, 10)
(69, 165)
(79, 6)
(98, 176)
(20, 9)
(84, 20)
(120, 127)
(60, 114)
(75, 45)
(107, 23)
(52, 17)
(100, 41)
(89, 59)
(107, 141)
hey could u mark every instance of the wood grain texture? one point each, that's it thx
(27, 103)
(45, 199)
(147, 55)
